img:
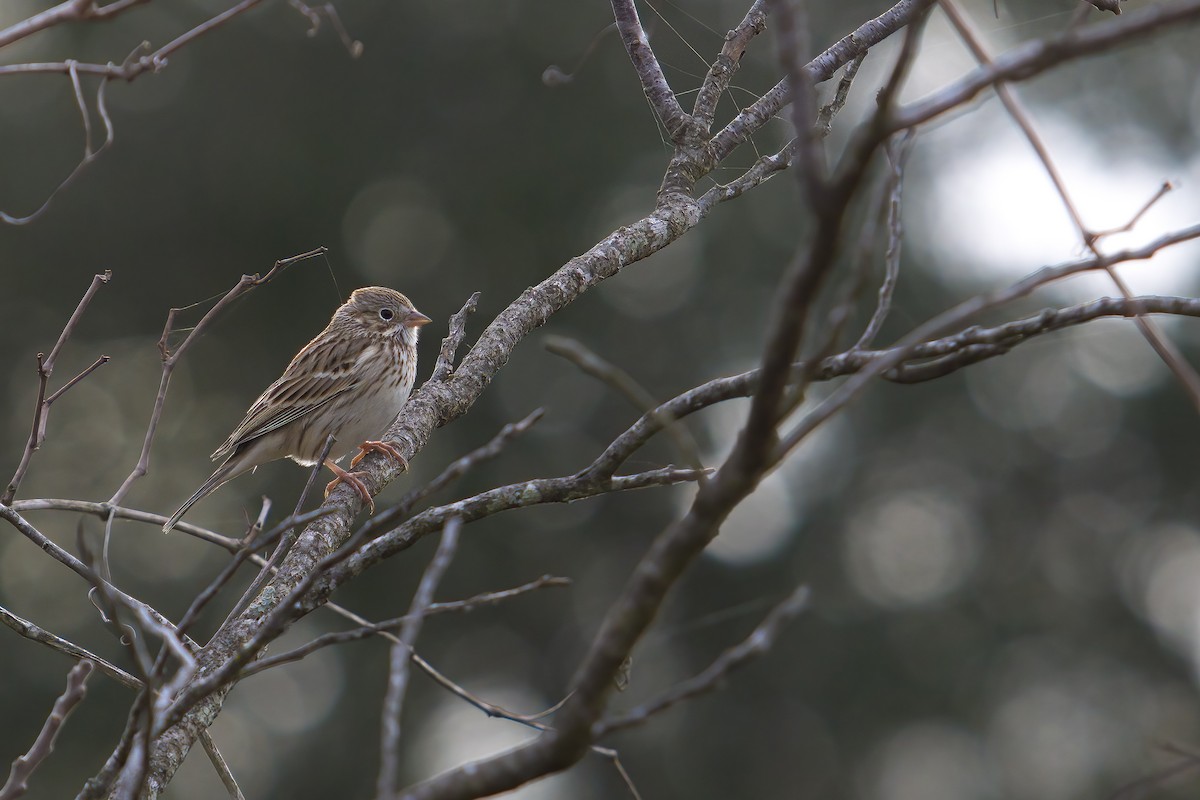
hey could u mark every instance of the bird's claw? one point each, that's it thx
(353, 480)
(387, 448)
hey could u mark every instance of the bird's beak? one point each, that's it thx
(416, 319)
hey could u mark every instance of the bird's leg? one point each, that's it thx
(387, 448)
(352, 479)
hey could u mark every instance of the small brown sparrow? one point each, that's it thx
(350, 381)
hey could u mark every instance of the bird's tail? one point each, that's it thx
(224, 473)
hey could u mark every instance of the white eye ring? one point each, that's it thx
(386, 314)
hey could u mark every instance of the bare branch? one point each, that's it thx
(329, 572)
(218, 762)
(963, 311)
(353, 46)
(375, 628)
(821, 68)
(41, 411)
(757, 644)
(1034, 58)
(897, 156)
(37, 634)
(128, 70)
(494, 501)
(397, 686)
(75, 565)
(18, 778)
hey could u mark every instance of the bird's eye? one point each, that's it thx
(386, 314)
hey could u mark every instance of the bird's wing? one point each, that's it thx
(320, 372)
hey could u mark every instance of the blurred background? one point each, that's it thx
(1005, 563)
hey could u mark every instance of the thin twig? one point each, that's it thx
(75, 565)
(757, 644)
(679, 124)
(554, 76)
(454, 470)
(41, 412)
(457, 331)
(840, 96)
(397, 686)
(897, 156)
(375, 628)
(24, 766)
(222, 767)
(38, 634)
(592, 364)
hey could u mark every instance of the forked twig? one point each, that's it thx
(41, 411)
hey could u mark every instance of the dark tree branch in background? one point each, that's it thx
(18, 778)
